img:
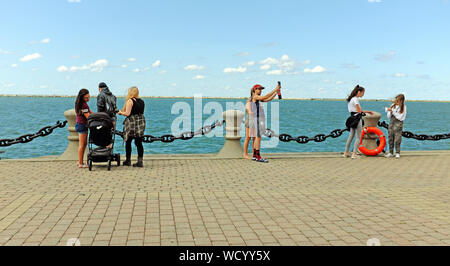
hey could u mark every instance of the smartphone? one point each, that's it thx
(279, 94)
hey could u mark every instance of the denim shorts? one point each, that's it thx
(81, 128)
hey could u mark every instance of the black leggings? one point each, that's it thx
(138, 143)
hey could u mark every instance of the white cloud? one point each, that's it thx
(62, 69)
(317, 69)
(265, 67)
(124, 66)
(269, 61)
(285, 58)
(275, 72)
(14, 65)
(157, 63)
(285, 65)
(249, 64)
(199, 77)
(4, 52)
(132, 59)
(235, 70)
(399, 75)
(374, 1)
(136, 70)
(74, 1)
(339, 82)
(30, 57)
(163, 72)
(97, 66)
(43, 86)
(46, 40)
(194, 67)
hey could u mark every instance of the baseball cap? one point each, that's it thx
(257, 86)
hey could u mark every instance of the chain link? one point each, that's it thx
(208, 129)
(188, 135)
(30, 137)
(411, 135)
(304, 139)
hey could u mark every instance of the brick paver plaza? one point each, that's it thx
(309, 200)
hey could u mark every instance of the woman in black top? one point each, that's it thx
(134, 125)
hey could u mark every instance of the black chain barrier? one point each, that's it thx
(411, 135)
(183, 136)
(207, 129)
(304, 139)
(338, 133)
(30, 137)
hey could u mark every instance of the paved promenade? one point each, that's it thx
(309, 199)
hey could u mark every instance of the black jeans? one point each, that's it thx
(138, 143)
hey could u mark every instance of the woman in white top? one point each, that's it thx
(354, 108)
(397, 114)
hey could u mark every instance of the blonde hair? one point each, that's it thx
(133, 93)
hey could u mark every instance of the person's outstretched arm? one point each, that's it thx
(266, 97)
(271, 97)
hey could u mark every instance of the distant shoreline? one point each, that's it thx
(221, 98)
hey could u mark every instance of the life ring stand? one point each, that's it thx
(380, 148)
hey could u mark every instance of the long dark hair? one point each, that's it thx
(80, 100)
(401, 99)
(355, 92)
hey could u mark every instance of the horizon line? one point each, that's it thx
(214, 97)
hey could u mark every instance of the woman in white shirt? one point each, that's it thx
(397, 114)
(355, 109)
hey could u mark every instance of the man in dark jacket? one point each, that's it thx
(106, 101)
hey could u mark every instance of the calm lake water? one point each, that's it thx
(20, 115)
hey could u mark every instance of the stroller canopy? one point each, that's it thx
(100, 119)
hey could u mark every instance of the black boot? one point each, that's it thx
(139, 163)
(127, 162)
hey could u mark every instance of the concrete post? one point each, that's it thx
(71, 153)
(370, 140)
(232, 147)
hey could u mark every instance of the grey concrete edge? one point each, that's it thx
(304, 155)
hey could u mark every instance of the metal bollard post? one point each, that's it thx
(232, 147)
(370, 140)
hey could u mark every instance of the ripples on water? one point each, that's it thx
(20, 115)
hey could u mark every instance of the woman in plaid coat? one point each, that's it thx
(134, 125)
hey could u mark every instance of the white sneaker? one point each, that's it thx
(397, 156)
(389, 155)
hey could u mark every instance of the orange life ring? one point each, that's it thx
(375, 152)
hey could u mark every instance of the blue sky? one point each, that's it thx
(319, 48)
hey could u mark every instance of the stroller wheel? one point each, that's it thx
(90, 165)
(109, 165)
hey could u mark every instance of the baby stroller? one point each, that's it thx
(102, 135)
